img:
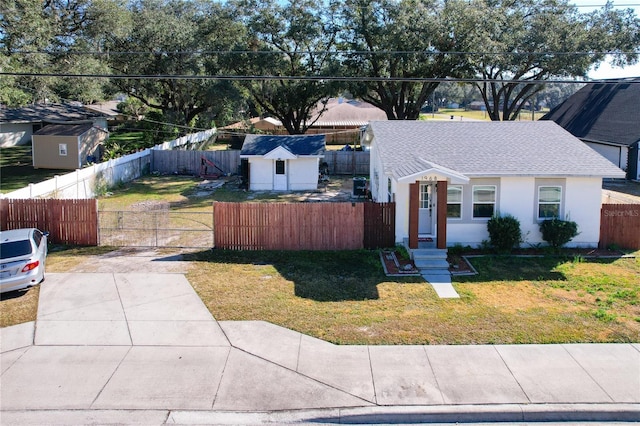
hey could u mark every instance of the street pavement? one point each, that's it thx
(141, 348)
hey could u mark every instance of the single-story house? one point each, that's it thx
(606, 117)
(282, 163)
(18, 124)
(67, 146)
(449, 178)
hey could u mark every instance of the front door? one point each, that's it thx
(426, 214)
(280, 176)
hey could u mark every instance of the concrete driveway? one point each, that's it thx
(141, 348)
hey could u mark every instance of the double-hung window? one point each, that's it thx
(484, 201)
(549, 201)
(454, 201)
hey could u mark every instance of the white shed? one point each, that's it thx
(283, 163)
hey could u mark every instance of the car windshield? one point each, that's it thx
(14, 249)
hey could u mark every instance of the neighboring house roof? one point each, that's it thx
(260, 145)
(108, 108)
(255, 121)
(66, 129)
(602, 112)
(342, 112)
(474, 149)
(339, 112)
(38, 113)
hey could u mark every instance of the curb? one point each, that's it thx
(494, 413)
(513, 413)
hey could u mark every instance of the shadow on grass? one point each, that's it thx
(15, 294)
(323, 276)
(511, 268)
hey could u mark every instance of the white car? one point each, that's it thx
(23, 253)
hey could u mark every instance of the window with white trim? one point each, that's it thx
(549, 201)
(484, 201)
(62, 149)
(454, 201)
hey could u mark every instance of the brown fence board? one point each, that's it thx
(189, 162)
(620, 225)
(303, 226)
(68, 221)
(288, 226)
(379, 225)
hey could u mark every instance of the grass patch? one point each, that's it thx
(17, 169)
(17, 307)
(344, 297)
(175, 190)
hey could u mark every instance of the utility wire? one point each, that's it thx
(315, 52)
(316, 78)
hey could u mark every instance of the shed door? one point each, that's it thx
(280, 176)
(427, 207)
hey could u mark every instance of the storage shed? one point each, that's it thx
(283, 163)
(67, 146)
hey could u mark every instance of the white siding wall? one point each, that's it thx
(517, 197)
(618, 155)
(12, 134)
(402, 211)
(260, 174)
(582, 205)
(303, 174)
(378, 180)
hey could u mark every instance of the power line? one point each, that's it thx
(318, 52)
(319, 79)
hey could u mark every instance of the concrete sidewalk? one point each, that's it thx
(110, 348)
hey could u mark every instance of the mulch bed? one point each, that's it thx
(396, 265)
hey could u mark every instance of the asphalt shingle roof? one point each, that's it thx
(476, 149)
(64, 129)
(296, 144)
(46, 112)
(602, 113)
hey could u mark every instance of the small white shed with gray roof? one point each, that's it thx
(449, 178)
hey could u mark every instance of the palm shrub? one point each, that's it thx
(504, 232)
(558, 232)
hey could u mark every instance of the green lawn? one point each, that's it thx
(475, 115)
(344, 297)
(17, 170)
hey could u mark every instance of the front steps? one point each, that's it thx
(434, 268)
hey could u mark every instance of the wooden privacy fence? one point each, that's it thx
(379, 225)
(620, 225)
(298, 226)
(72, 222)
(190, 162)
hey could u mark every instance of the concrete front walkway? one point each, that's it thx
(142, 348)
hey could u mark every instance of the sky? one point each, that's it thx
(605, 70)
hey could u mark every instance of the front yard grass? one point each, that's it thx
(344, 297)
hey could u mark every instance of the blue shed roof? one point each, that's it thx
(310, 145)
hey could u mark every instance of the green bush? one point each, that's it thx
(504, 232)
(558, 232)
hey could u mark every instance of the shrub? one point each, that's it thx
(504, 232)
(558, 232)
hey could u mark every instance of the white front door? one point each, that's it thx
(280, 176)
(426, 215)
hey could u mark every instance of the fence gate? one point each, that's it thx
(159, 228)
